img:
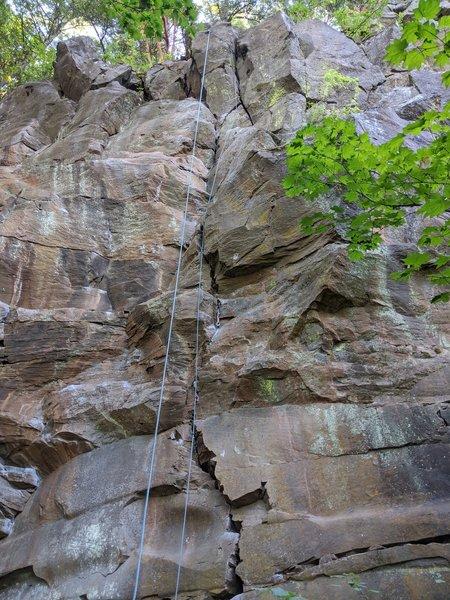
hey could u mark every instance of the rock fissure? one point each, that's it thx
(204, 458)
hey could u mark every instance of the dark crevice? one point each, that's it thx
(40, 244)
(439, 539)
(315, 561)
(424, 442)
(441, 416)
(25, 577)
(212, 260)
(234, 583)
(205, 459)
(241, 52)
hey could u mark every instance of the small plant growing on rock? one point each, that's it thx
(357, 19)
(355, 582)
(335, 83)
(279, 592)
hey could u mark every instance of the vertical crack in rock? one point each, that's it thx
(205, 460)
(239, 52)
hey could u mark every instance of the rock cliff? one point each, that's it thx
(321, 457)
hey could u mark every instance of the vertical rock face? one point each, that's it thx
(321, 457)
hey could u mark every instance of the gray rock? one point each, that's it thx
(12, 498)
(166, 126)
(375, 47)
(6, 526)
(271, 75)
(414, 108)
(326, 48)
(120, 73)
(22, 478)
(429, 84)
(383, 123)
(4, 310)
(77, 65)
(78, 68)
(221, 84)
(168, 81)
(392, 98)
(99, 524)
(100, 115)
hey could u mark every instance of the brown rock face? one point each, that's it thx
(321, 441)
(30, 119)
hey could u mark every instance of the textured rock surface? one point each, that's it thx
(321, 456)
(30, 119)
(78, 68)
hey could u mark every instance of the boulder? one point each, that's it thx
(414, 108)
(271, 75)
(383, 123)
(167, 126)
(100, 527)
(100, 115)
(221, 84)
(429, 84)
(304, 465)
(16, 487)
(376, 46)
(427, 581)
(78, 68)
(326, 48)
(168, 81)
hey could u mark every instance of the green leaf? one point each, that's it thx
(401, 275)
(417, 259)
(434, 207)
(414, 59)
(411, 31)
(441, 59)
(396, 51)
(443, 297)
(384, 183)
(442, 261)
(444, 21)
(355, 254)
(429, 8)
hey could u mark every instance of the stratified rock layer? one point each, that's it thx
(321, 457)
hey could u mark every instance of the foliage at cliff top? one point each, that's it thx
(29, 30)
(23, 54)
(357, 19)
(138, 17)
(384, 183)
(242, 13)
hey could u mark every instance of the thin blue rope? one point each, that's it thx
(169, 338)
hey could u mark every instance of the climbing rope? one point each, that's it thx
(169, 335)
(196, 393)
